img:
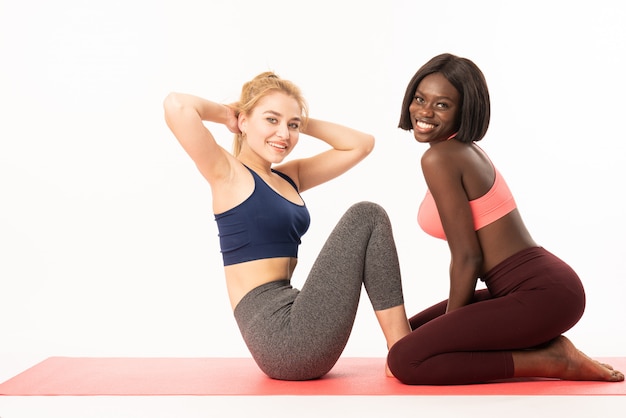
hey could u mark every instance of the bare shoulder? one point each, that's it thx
(290, 169)
(432, 156)
(439, 157)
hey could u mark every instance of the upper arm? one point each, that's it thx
(187, 126)
(444, 180)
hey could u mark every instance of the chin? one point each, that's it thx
(277, 159)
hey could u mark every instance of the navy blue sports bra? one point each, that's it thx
(265, 225)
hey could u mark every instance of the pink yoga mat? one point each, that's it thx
(91, 376)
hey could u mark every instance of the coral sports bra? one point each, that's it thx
(490, 207)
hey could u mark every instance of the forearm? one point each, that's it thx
(338, 136)
(463, 281)
(205, 109)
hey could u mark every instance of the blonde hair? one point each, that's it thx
(259, 87)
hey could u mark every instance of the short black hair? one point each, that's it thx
(468, 79)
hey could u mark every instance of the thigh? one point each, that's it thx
(327, 304)
(360, 249)
(519, 320)
(439, 309)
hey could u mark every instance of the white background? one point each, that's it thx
(108, 245)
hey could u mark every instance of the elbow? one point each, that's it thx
(174, 108)
(368, 144)
(172, 103)
(468, 262)
(474, 264)
(473, 260)
(169, 103)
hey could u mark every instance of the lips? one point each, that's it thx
(424, 125)
(277, 145)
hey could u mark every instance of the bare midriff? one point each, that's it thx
(503, 238)
(243, 277)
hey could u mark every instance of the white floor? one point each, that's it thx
(296, 406)
(310, 406)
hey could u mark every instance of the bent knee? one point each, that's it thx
(368, 209)
(400, 365)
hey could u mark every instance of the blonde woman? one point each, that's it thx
(292, 334)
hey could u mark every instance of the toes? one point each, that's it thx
(617, 376)
(608, 366)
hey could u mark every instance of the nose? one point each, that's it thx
(282, 131)
(421, 109)
(425, 110)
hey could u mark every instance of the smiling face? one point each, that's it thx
(435, 109)
(272, 128)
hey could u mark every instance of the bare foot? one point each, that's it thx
(608, 366)
(568, 363)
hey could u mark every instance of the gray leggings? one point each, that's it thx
(299, 334)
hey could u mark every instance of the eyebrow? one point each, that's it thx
(275, 113)
(417, 92)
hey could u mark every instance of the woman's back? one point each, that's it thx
(508, 234)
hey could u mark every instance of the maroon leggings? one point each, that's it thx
(531, 298)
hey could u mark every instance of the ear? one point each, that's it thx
(242, 122)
